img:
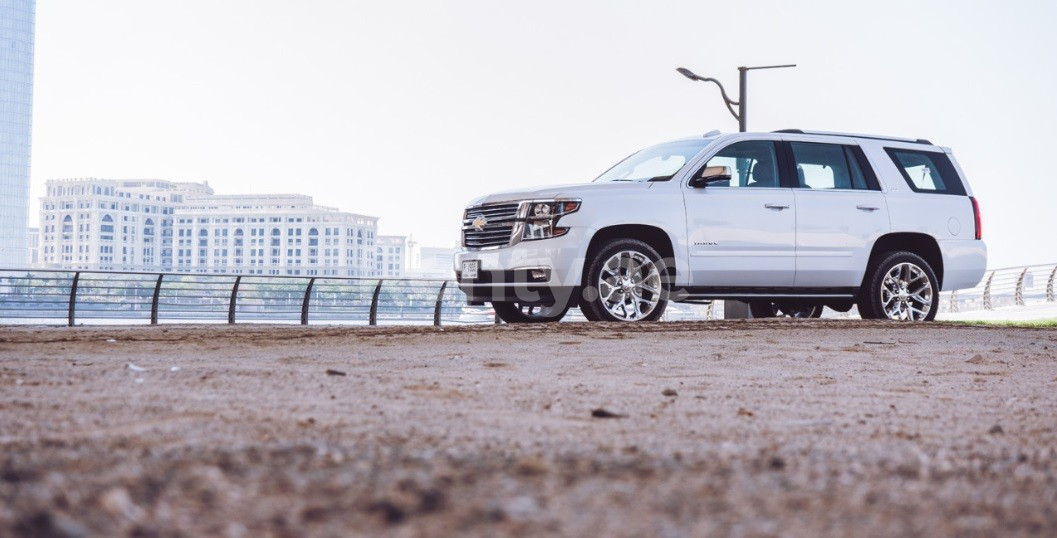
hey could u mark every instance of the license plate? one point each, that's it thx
(469, 269)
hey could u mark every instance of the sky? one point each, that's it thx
(408, 110)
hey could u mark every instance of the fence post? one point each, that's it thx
(373, 317)
(154, 301)
(304, 303)
(440, 301)
(231, 302)
(954, 301)
(1018, 295)
(1049, 285)
(71, 314)
(987, 292)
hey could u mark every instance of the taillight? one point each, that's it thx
(976, 217)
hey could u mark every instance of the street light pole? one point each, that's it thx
(743, 104)
(743, 96)
(735, 309)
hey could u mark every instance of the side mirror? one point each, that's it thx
(711, 174)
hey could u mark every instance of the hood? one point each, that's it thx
(575, 190)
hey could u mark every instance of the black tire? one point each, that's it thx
(872, 300)
(786, 309)
(594, 295)
(522, 313)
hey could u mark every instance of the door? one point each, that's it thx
(840, 213)
(741, 232)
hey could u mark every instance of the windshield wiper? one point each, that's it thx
(661, 178)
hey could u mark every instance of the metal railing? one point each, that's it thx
(49, 295)
(1008, 286)
(45, 296)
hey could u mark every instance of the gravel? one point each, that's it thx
(780, 427)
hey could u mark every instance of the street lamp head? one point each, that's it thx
(738, 114)
(687, 73)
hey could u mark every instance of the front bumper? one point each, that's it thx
(506, 274)
(526, 294)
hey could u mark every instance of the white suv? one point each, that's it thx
(788, 222)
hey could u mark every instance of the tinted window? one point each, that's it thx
(827, 166)
(927, 171)
(752, 164)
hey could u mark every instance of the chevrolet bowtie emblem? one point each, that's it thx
(479, 223)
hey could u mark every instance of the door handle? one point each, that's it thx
(867, 208)
(776, 206)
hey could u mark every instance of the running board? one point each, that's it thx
(701, 294)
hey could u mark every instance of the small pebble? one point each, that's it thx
(605, 413)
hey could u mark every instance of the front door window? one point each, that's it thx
(752, 164)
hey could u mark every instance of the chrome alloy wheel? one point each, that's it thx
(906, 293)
(629, 285)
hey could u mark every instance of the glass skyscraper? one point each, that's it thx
(16, 115)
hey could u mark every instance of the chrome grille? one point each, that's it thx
(500, 222)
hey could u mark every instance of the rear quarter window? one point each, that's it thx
(927, 171)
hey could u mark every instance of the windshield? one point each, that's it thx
(656, 163)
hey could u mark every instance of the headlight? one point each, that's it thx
(541, 219)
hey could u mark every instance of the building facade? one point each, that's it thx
(433, 262)
(111, 224)
(16, 114)
(391, 255)
(156, 225)
(33, 246)
(279, 234)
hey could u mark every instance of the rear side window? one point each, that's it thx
(827, 166)
(927, 171)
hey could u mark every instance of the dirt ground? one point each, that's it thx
(753, 428)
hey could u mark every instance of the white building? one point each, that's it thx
(433, 262)
(33, 244)
(272, 234)
(110, 224)
(156, 225)
(391, 255)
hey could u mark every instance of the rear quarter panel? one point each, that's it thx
(947, 218)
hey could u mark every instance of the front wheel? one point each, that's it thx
(513, 312)
(626, 280)
(901, 286)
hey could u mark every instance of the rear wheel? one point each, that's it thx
(784, 309)
(901, 286)
(626, 280)
(514, 312)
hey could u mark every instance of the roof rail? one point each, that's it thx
(853, 135)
